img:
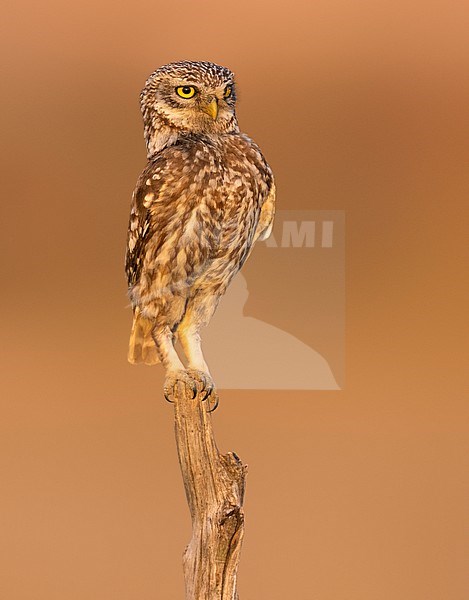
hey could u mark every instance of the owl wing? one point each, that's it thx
(139, 231)
(165, 241)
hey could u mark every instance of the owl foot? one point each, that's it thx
(205, 385)
(196, 382)
(171, 381)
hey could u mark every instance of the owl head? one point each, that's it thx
(187, 97)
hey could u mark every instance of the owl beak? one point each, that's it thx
(211, 109)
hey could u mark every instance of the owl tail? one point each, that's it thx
(141, 344)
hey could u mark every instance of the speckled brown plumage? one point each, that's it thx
(204, 198)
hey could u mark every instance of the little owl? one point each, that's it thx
(206, 195)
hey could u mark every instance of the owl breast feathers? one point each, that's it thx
(204, 198)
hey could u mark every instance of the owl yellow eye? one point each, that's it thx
(186, 91)
(228, 91)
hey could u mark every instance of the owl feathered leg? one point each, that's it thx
(197, 368)
(175, 370)
(189, 337)
(164, 342)
(198, 313)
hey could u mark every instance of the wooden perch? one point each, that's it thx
(214, 486)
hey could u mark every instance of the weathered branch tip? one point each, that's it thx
(214, 485)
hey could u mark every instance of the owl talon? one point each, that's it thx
(203, 381)
(215, 397)
(172, 380)
(166, 396)
(208, 392)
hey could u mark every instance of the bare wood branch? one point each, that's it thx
(214, 485)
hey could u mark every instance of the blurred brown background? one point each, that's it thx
(352, 495)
